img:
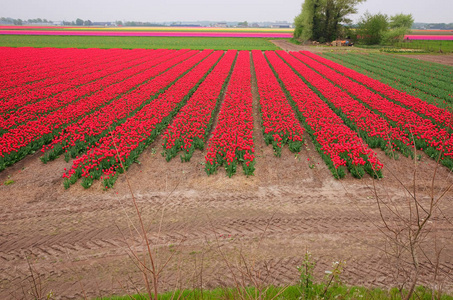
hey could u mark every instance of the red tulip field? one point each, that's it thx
(276, 152)
(102, 108)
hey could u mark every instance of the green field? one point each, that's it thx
(430, 46)
(430, 82)
(136, 42)
(421, 45)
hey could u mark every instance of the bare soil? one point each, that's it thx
(288, 46)
(444, 59)
(78, 242)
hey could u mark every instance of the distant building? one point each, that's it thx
(185, 25)
(221, 25)
(39, 24)
(281, 25)
(103, 23)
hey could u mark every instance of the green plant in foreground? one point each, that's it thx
(9, 181)
(333, 278)
(306, 276)
(291, 292)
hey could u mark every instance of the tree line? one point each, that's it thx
(12, 21)
(4, 20)
(328, 20)
(78, 22)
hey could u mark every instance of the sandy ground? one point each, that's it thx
(445, 59)
(76, 243)
(288, 46)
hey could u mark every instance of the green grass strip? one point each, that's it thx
(198, 43)
(290, 292)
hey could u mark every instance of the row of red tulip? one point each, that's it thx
(31, 136)
(29, 69)
(72, 70)
(337, 143)
(428, 137)
(26, 100)
(13, 57)
(85, 86)
(232, 139)
(119, 149)
(374, 129)
(191, 126)
(441, 116)
(11, 60)
(80, 75)
(280, 125)
(15, 60)
(88, 130)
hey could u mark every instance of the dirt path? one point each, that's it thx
(288, 46)
(446, 59)
(79, 241)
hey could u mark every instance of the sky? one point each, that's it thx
(426, 11)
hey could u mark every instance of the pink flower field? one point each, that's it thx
(149, 33)
(430, 37)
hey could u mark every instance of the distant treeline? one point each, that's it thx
(441, 26)
(78, 22)
(12, 21)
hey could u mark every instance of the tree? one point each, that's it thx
(299, 25)
(380, 29)
(372, 28)
(394, 35)
(399, 25)
(79, 22)
(401, 21)
(307, 20)
(337, 12)
(87, 23)
(322, 20)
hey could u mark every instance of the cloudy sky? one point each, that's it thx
(432, 11)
